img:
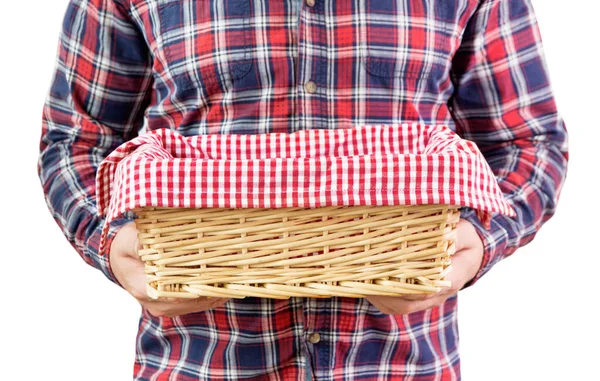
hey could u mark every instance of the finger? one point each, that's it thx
(430, 303)
(131, 274)
(418, 297)
(459, 241)
(197, 299)
(467, 236)
(160, 308)
(462, 265)
(397, 305)
(136, 246)
(163, 301)
(173, 310)
(129, 244)
(133, 250)
(137, 278)
(391, 305)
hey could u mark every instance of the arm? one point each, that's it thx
(97, 99)
(504, 103)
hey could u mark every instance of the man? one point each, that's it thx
(253, 66)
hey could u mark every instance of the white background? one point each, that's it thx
(531, 318)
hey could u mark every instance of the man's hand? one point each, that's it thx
(129, 271)
(465, 264)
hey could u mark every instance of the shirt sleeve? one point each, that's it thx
(99, 92)
(503, 102)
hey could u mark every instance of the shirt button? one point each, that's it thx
(310, 87)
(310, 3)
(314, 338)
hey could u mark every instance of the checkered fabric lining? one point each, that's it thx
(408, 164)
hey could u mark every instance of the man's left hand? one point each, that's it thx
(465, 265)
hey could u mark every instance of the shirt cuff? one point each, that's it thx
(101, 260)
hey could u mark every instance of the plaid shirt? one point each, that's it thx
(241, 66)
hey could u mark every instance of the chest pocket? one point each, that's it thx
(205, 42)
(412, 39)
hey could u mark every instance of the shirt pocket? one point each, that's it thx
(406, 38)
(205, 42)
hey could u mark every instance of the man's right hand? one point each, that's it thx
(129, 271)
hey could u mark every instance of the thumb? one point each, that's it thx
(468, 237)
(126, 241)
(462, 235)
(136, 245)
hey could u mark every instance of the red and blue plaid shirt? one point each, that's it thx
(242, 66)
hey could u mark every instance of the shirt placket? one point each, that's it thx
(311, 66)
(317, 336)
(310, 84)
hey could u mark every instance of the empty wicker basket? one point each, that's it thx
(356, 212)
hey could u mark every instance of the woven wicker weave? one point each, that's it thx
(307, 252)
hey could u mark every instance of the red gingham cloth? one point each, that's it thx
(368, 165)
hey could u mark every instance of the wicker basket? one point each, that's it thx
(306, 252)
(370, 210)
